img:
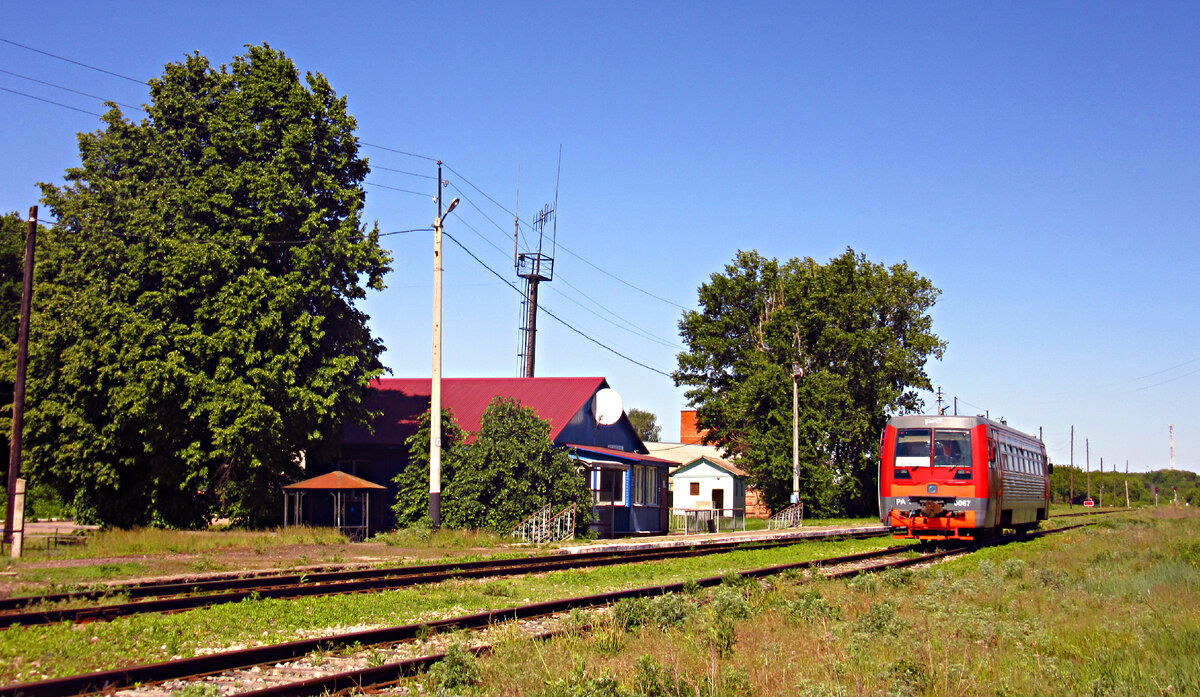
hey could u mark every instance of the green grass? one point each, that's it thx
(34, 653)
(1113, 609)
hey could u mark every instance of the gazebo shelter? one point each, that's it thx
(347, 508)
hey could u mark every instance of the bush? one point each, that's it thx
(458, 669)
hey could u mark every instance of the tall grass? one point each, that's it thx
(1113, 609)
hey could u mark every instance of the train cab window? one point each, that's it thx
(952, 448)
(913, 447)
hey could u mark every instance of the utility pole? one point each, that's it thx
(15, 483)
(939, 401)
(797, 373)
(1127, 484)
(1072, 504)
(956, 405)
(435, 388)
(1102, 482)
(1087, 451)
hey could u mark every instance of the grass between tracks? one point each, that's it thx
(1111, 609)
(37, 653)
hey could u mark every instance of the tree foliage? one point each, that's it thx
(412, 484)
(196, 329)
(646, 425)
(507, 472)
(862, 335)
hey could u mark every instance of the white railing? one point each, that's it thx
(543, 527)
(790, 517)
(701, 520)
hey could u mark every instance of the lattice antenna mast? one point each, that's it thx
(534, 267)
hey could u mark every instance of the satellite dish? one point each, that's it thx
(608, 407)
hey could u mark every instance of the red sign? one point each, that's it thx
(1088, 503)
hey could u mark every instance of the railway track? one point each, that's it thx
(385, 655)
(188, 595)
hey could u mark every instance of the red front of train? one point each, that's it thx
(960, 477)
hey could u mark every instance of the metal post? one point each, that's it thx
(18, 412)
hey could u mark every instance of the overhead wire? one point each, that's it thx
(451, 169)
(551, 314)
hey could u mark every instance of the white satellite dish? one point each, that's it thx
(608, 407)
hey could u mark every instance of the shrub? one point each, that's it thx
(458, 669)
(812, 606)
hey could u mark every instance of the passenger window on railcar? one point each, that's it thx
(912, 447)
(952, 448)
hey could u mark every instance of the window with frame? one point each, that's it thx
(610, 487)
(694, 488)
(645, 486)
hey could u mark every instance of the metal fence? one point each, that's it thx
(543, 527)
(701, 520)
(790, 517)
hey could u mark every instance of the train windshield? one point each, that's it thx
(924, 447)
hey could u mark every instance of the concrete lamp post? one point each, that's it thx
(435, 393)
(797, 373)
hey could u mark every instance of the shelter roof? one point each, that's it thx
(619, 454)
(402, 401)
(334, 480)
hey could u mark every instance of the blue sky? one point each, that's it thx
(1037, 161)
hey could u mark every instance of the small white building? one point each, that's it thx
(709, 489)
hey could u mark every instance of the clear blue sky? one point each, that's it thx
(1038, 162)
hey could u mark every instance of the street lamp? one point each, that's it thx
(435, 392)
(797, 373)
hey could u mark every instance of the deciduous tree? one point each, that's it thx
(646, 425)
(862, 334)
(196, 327)
(499, 478)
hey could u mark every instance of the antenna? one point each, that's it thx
(535, 267)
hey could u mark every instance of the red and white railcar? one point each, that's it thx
(962, 477)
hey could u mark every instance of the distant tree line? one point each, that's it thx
(1173, 485)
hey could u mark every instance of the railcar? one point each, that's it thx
(960, 477)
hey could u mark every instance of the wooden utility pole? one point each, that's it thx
(1072, 466)
(1127, 484)
(18, 413)
(1087, 459)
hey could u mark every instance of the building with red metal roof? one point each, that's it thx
(630, 487)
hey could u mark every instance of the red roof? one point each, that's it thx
(334, 480)
(620, 454)
(402, 401)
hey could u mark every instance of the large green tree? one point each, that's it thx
(196, 328)
(499, 478)
(862, 334)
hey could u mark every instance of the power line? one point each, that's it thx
(1177, 377)
(556, 317)
(364, 143)
(401, 171)
(1167, 370)
(74, 62)
(50, 101)
(68, 89)
(620, 280)
(230, 243)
